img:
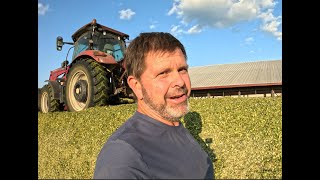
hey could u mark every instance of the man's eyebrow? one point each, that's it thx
(184, 66)
(179, 68)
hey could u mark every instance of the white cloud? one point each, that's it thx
(194, 29)
(271, 24)
(214, 13)
(174, 9)
(249, 40)
(225, 13)
(126, 14)
(266, 3)
(152, 26)
(42, 9)
(176, 30)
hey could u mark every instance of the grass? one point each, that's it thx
(246, 137)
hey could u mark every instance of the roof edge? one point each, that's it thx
(237, 86)
(241, 62)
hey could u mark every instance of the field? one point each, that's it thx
(246, 135)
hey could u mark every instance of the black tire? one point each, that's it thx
(86, 85)
(47, 102)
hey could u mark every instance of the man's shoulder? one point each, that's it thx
(115, 160)
(138, 129)
(128, 128)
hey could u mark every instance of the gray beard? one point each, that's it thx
(172, 114)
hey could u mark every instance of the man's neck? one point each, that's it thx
(147, 111)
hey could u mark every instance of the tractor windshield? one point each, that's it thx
(105, 42)
(81, 45)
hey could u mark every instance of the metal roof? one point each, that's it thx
(257, 73)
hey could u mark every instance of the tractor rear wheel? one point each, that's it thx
(86, 85)
(47, 102)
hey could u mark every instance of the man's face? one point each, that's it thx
(165, 84)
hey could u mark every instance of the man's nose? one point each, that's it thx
(177, 80)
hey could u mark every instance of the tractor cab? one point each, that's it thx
(94, 36)
(101, 41)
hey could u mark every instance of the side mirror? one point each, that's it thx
(59, 43)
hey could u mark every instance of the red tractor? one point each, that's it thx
(95, 76)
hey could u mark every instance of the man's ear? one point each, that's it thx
(135, 85)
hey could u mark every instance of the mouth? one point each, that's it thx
(177, 96)
(177, 99)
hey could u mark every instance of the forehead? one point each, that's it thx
(160, 58)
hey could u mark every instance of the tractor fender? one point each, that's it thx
(99, 56)
(55, 88)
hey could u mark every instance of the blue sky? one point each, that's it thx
(212, 31)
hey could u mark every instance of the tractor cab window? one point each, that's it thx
(81, 45)
(109, 44)
(105, 42)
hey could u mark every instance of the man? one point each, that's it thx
(153, 143)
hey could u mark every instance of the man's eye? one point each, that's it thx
(184, 70)
(163, 73)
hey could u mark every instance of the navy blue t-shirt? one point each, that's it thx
(144, 148)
